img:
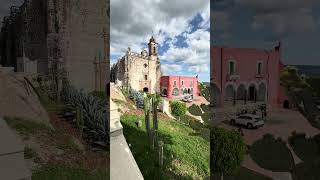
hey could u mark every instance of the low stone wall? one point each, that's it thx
(17, 98)
(123, 165)
(12, 164)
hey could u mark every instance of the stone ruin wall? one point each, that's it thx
(129, 72)
(61, 33)
(81, 40)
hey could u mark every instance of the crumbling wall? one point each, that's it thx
(81, 39)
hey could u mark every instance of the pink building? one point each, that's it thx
(241, 75)
(177, 86)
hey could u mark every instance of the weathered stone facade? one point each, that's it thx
(69, 34)
(140, 72)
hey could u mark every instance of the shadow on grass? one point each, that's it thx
(146, 158)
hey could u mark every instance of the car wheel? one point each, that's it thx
(232, 122)
(249, 126)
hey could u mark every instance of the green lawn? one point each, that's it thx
(243, 174)
(67, 173)
(186, 154)
(272, 154)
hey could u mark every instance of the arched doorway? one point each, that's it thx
(230, 92)
(241, 92)
(175, 92)
(252, 93)
(262, 92)
(145, 89)
(286, 104)
(164, 92)
(216, 95)
(189, 91)
(185, 91)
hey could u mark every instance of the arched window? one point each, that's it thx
(145, 77)
(259, 68)
(174, 83)
(175, 92)
(232, 67)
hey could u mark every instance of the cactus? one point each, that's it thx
(160, 152)
(147, 115)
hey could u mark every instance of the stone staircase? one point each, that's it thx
(12, 163)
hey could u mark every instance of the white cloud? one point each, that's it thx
(281, 17)
(196, 56)
(133, 22)
(170, 68)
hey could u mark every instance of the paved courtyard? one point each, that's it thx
(281, 123)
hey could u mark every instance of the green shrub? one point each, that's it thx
(94, 111)
(205, 108)
(29, 153)
(306, 149)
(227, 149)
(195, 110)
(178, 108)
(99, 94)
(272, 154)
(206, 117)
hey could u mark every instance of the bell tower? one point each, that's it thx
(153, 47)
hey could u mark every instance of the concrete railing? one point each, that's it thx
(122, 163)
(12, 164)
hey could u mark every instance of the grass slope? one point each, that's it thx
(186, 155)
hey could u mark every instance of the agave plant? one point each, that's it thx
(138, 97)
(94, 113)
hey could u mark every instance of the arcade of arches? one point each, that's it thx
(240, 94)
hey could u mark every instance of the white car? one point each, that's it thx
(248, 120)
(187, 99)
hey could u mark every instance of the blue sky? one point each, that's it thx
(262, 24)
(183, 33)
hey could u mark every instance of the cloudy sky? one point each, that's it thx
(262, 23)
(182, 29)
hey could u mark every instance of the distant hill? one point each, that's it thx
(206, 83)
(309, 70)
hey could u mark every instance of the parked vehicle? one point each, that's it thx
(187, 98)
(249, 120)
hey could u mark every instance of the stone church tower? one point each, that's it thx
(139, 71)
